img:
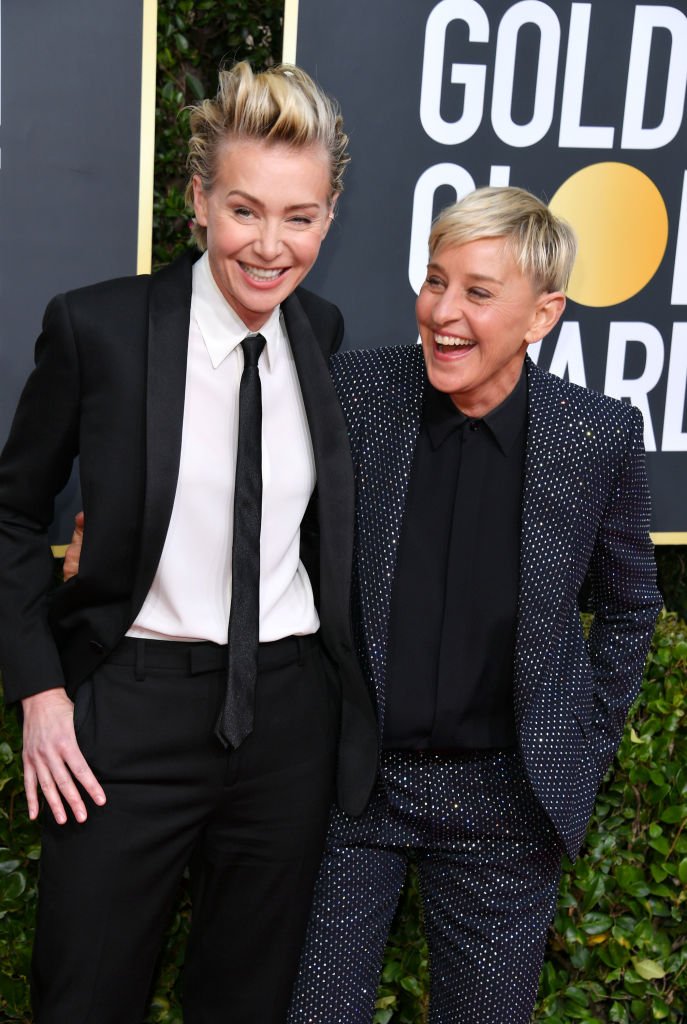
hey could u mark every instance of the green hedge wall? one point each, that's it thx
(618, 945)
(195, 37)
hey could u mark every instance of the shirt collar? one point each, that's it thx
(221, 328)
(504, 422)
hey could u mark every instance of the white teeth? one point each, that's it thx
(445, 339)
(260, 273)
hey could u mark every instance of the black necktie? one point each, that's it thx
(236, 717)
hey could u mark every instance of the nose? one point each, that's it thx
(268, 244)
(447, 307)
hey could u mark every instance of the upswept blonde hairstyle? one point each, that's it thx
(543, 245)
(282, 104)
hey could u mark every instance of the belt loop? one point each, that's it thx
(300, 643)
(140, 661)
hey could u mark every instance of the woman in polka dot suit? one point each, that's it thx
(488, 492)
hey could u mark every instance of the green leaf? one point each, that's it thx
(195, 86)
(595, 924)
(577, 994)
(12, 886)
(659, 1009)
(385, 1002)
(673, 815)
(382, 1016)
(650, 970)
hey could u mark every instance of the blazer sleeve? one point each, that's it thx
(325, 319)
(337, 331)
(34, 467)
(624, 597)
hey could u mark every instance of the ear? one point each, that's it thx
(200, 201)
(330, 216)
(548, 311)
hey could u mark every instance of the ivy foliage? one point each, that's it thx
(195, 38)
(672, 577)
(617, 950)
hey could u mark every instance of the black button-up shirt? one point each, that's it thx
(454, 603)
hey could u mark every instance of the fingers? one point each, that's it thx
(52, 759)
(70, 566)
(31, 789)
(49, 786)
(57, 784)
(81, 771)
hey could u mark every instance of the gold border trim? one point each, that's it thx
(147, 142)
(288, 52)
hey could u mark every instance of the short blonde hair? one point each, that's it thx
(543, 245)
(280, 105)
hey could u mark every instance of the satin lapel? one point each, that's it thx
(168, 325)
(333, 465)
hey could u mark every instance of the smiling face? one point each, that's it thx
(477, 313)
(266, 215)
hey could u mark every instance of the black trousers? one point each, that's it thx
(250, 824)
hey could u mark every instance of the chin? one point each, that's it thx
(443, 379)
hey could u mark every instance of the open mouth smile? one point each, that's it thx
(264, 275)
(448, 343)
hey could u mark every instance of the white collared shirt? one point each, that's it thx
(191, 593)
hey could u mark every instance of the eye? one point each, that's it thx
(301, 220)
(480, 294)
(433, 281)
(244, 212)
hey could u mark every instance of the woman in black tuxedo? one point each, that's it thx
(129, 722)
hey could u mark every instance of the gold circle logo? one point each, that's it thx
(621, 224)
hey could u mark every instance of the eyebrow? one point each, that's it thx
(473, 276)
(237, 192)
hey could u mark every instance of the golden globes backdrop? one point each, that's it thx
(583, 104)
(77, 97)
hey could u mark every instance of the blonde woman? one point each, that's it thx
(492, 489)
(150, 753)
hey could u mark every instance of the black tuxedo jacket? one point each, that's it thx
(585, 513)
(109, 387)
